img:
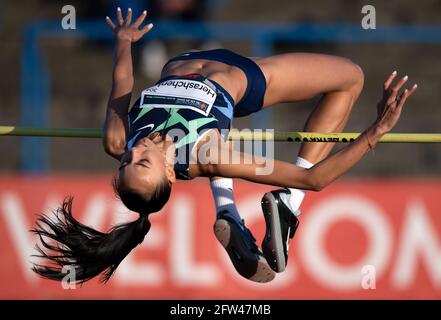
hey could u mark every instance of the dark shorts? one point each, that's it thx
(252, 100)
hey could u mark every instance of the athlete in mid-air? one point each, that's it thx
(161, 139)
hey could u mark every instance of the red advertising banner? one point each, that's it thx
(358, 239)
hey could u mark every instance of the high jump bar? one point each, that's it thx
(234, 135)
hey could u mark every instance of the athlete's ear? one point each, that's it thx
(170, 173)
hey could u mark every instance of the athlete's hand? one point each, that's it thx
(390, 107)
(125, 30)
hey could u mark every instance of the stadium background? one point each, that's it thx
(385, 212)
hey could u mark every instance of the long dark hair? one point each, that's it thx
(89, 251)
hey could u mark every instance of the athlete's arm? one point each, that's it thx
(115, 125)
(322, 174)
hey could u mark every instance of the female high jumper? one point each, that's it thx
(166, 134)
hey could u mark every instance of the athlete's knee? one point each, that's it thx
(351, 77)
(357, 79)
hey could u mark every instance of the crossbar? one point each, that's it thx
(234, 135)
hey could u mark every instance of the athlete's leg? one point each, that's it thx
(234, 236)
(223, 196)
(301, 76)
(296, 77)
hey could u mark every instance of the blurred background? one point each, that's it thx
(384, 213)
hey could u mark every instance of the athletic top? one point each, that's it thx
(184, 107)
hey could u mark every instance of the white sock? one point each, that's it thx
(223, 196)
(297, 195)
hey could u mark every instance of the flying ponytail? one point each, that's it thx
(67, 242)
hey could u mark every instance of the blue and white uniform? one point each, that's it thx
(185, 107)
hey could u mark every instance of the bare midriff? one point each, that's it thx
(231, 78)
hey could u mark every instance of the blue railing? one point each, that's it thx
(35, 85)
